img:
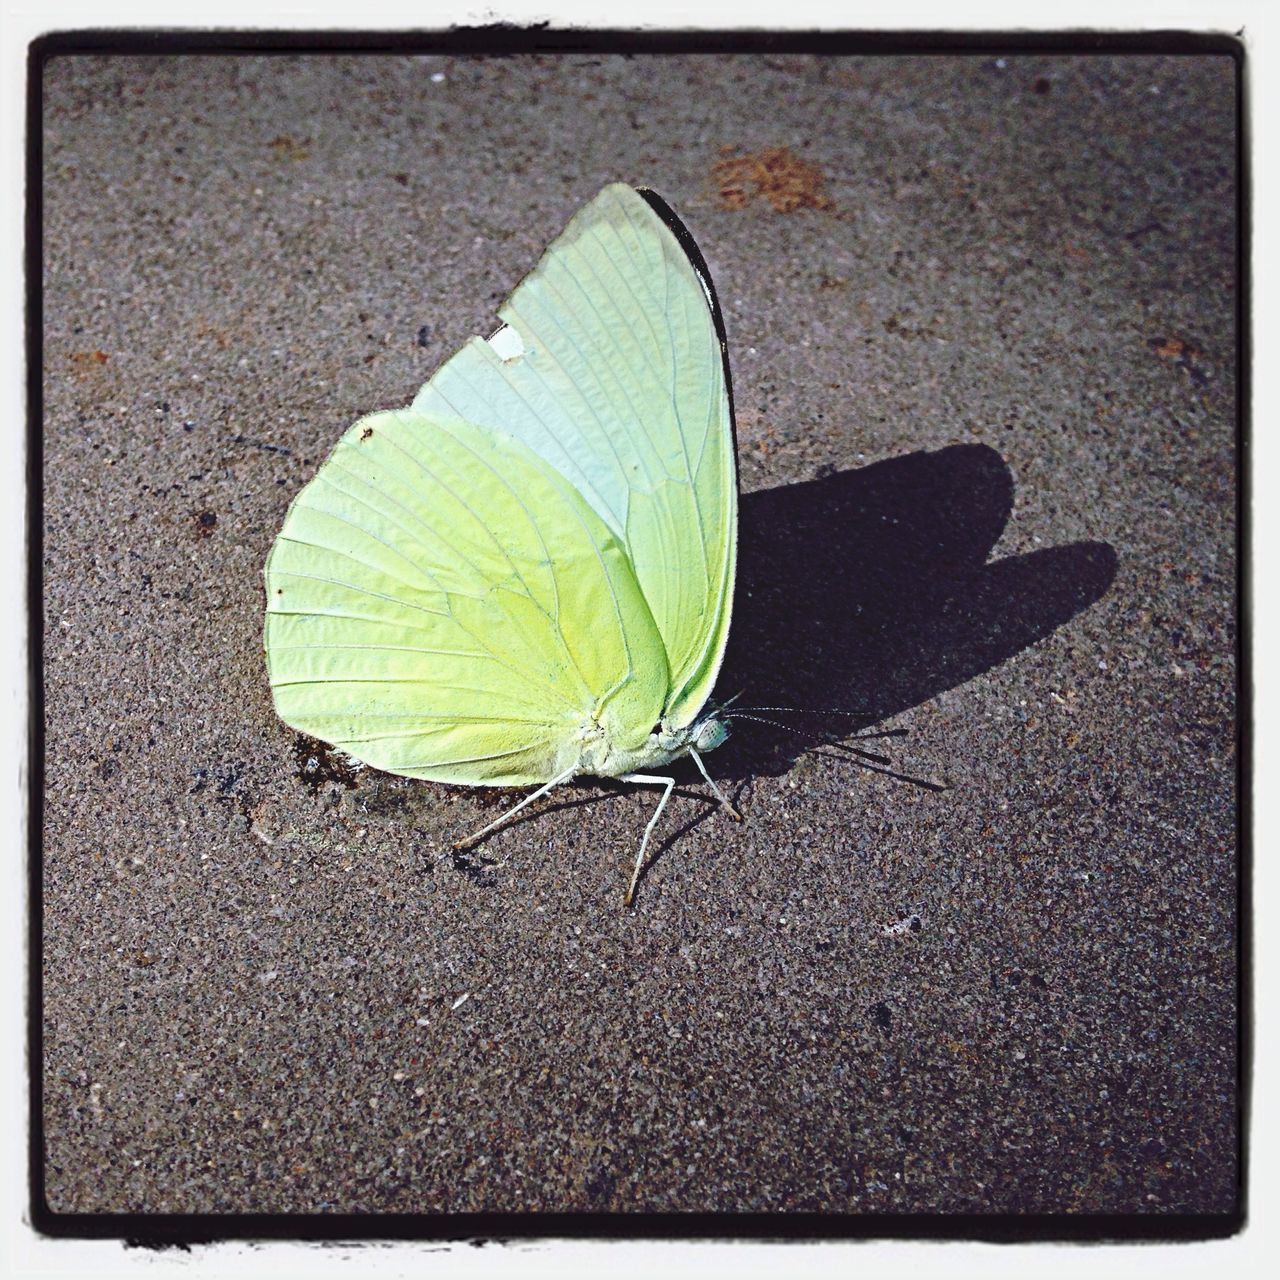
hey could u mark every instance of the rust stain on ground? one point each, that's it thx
(88, 361)
(776, 173)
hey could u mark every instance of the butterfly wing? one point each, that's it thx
(443, 604)
(611, 368)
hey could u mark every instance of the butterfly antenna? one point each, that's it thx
(742, 715)
(816, 711)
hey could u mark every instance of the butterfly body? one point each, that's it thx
(606, 754)
(527, 574)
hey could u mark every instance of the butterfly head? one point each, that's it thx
(705, 734)
(709, 731)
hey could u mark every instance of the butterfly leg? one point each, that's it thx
(666, 783)
(702, 768)
(511, 813)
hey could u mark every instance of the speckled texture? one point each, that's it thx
(986, 407)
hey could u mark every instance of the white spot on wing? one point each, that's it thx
(507, 343)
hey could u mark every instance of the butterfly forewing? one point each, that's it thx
(618, 381)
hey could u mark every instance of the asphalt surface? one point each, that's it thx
(985, 378)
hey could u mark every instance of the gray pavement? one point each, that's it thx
(986, 407)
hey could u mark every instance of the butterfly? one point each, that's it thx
(527, 575)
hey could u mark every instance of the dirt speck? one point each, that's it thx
(1174, 348)
(289, 148)
(1184, 354)
(318, 763)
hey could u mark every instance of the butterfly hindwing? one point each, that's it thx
(445, 605)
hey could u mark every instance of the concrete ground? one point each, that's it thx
(985, 376)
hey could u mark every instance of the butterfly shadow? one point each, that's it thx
(869, 591)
